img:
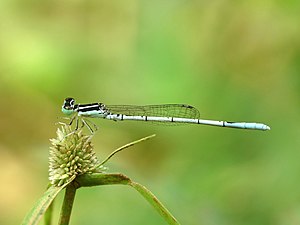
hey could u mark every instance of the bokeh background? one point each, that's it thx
(234, 60)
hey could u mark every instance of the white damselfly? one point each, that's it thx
(164, 114)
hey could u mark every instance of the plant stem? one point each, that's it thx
(67, 204)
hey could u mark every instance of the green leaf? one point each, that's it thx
(41, 206)
(95, 179)
(48, 214)
(155, 203)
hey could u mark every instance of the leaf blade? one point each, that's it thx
(41, 206)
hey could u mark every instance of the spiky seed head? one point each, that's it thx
(71, 154)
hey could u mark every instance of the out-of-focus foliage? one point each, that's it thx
(232, 60)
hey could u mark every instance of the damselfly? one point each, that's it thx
(168, 114)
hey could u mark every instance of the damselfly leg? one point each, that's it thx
(78, 123)
(89, 124)
(81, 122)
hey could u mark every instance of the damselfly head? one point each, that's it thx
(68, 106)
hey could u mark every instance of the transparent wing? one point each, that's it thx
(167, 110)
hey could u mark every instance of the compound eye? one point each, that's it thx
(72, 102)
(69, 103)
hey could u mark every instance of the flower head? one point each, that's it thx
(71, 154)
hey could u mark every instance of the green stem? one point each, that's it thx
(67, 204)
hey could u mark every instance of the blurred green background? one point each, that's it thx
(234, 60)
